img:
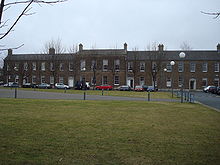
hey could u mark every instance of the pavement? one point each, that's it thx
(208, 99)
(22, 94)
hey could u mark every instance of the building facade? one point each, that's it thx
(116, 67)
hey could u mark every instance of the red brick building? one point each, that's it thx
(116, 67)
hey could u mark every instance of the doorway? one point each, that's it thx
(192, 84)
(130, 82)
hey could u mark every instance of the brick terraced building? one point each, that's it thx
(116, 67)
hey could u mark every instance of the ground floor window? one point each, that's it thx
(60, 79)
(141, 81)
(51, 79)
(180, 82)
(116, 80)
(34, 80)
(43, 79)
(216, 81)
(104, 80)
(204, 82)
(169, 82)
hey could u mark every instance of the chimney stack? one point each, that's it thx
(218, 48)
(80, 47)
(125, 47)
(160, 47)
(10, 52)
(51, 51)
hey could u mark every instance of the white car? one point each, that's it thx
(61, 86)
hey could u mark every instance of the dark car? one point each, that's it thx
(209, 89)
(104, 87)
(80, 85)
(44, 86)
(218, 91)
(152, 89)
(124, 88)
(145, 87)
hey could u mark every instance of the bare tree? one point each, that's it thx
(25, 12)
(185, 46)
(56, 44)
(73, 48)
(215, 14)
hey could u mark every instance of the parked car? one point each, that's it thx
(61, 86)
(152, 89)
(79, 85)
(44, 86)
(12, 85)
(139, 88)
(209, 89)
(104, 87)
(218, 91)
(145, 87)
(27, 85)
(124, 88)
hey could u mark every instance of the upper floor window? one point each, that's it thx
(154, 67)
(43, 66)
(192, 67)
(71, 66)
(8, 67)
(34, 66)
(105, 65)
(142, 66)
(180, 67)
(93, 65)
(51, 66)
(205, 67)
(26, 66)
(16, 68)
(82, 65)
(216, 67)
(61, 66)
(169, 67)
(130, 66)
(117, 65)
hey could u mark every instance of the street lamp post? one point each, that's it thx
(172, 63)
(15, 68)
(165, 70)
(182, 56)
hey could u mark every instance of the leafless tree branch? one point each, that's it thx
(34, 1)
(216, 15)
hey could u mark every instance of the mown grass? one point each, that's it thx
(153, 95)
(107, 132)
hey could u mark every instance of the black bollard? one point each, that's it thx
(148, 96)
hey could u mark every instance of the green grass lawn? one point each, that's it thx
(154, 95)
(107, 132)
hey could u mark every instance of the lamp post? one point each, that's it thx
(182, 56)
(165, 70)
(172, 63)
(15, 68)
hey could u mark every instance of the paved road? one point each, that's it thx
(208, 99)
(10, 93)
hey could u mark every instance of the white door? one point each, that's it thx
(71, 82)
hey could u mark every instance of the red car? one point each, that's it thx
(104, 87)
(139, 88)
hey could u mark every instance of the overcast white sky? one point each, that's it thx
(108, 24)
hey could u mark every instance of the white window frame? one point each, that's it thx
(51, 79)
(104, 80)
(34, 66)
(192, 67)
(205, 67)
(180, 66)
(61, 80)
(71, 66)
(42, 79)
(116, 80)
(169, 67)
(105, 65)
(34, 79)
(130, 66)
(61, 66)
(216, 67)
(82, 65)
(217, 80)
(169, 82)
(43, 66)
(142, 66)
(117, 65)
(51, 66)
(16, 68)
(141, 80)
(25, 66)
(206, 82)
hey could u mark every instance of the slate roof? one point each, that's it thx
(174, 55)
